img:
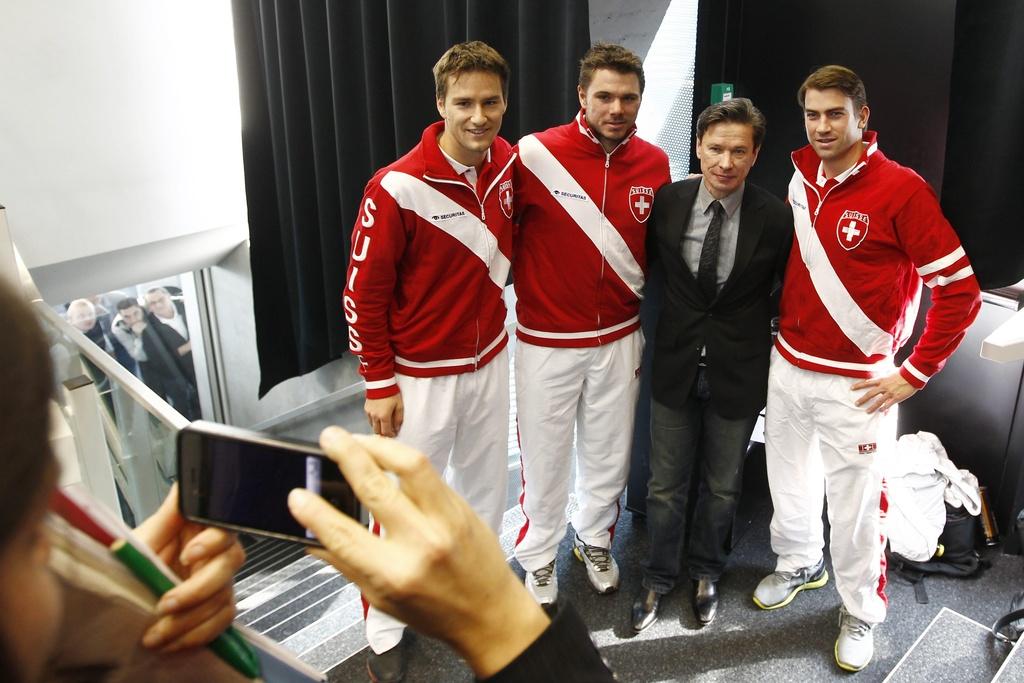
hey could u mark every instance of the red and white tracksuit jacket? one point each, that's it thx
(430, 257)
(580, 262)
(864, 242)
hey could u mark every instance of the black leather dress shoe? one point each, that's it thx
(389, 666)
(645, 609)
(705, 600)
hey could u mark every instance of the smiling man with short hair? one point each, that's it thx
(868, 233)
(423, 299)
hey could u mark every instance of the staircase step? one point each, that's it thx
(953, 649)
(1013, 666)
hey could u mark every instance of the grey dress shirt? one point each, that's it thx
(700, 220)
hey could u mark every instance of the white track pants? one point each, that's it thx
(596, 388)
(818, 442)
(461, 423)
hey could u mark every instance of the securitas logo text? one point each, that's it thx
(569, 195)
(447, 216)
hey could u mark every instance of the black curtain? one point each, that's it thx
(983, 191)
(332, 90)
(766, 48)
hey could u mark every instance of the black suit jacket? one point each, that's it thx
(166, 371)
(736, 325)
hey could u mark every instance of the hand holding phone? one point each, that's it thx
(438, 562)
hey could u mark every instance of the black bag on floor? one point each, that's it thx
(955, 556)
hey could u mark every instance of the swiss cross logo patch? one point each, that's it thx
(866, 448)
(852, 228)
(505, 198)
(641, 199)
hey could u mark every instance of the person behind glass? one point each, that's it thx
(87, 319)
(128, 326)
(723, 243)
(868, 233)
(166, 342)
(584, 194)
(31, 606)
(423, 299)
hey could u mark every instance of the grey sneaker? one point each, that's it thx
(778, 589)
(543, 584)
(856, 644)
(602, 570)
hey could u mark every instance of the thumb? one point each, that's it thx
(350, 546)
(336, 531)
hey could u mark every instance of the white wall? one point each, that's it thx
(232, 294)
(119, 127)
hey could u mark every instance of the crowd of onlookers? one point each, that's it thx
(148, 335)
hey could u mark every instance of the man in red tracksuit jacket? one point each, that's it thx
(867, 233)
(423, 299)
(584, 192)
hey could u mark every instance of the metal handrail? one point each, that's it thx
(136, 388)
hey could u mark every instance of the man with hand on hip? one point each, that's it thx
(868, 232)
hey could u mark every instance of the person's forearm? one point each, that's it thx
(510, 621)
(563, 653)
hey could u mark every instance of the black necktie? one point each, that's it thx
(707, 270)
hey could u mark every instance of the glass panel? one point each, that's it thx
(139, 446)
(146, 329)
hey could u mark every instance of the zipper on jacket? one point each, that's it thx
(476, 348)
(821, 201)
(483, 233)
(463, 183)
(604, 200)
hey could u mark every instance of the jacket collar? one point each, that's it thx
(435, 164)
(807, 162)
(584, 129)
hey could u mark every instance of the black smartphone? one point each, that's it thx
(240, 479)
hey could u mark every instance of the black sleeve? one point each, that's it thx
(783, 229)
(564, 653)
(651, 241)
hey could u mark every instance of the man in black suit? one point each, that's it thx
(723, 244)
(166, 342)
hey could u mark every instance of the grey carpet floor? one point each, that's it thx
(745, 643)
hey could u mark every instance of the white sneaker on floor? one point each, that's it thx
(543, 584)
(602, 570)
(856, 644)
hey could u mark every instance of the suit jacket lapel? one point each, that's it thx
(751, 227)
(679, 220)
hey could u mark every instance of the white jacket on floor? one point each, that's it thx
(920, 479)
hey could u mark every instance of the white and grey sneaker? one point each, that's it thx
(602, 570)
(779, 588)
(543, 584)
(856, 644)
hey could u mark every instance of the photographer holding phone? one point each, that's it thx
(437, 566)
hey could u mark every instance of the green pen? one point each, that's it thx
(230, 646)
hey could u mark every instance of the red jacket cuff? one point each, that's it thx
(913, 375)
(381, 388)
